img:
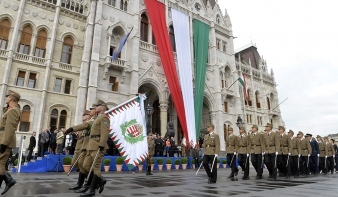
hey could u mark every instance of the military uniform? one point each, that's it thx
(231, 143)
(151, 152)
(322, 155)
(283, 154)
(272, 146)
(8, 125)
(211, 147)
(243, 153)
(305, 154)
(294, 159)
(330, 153)
(256, 148)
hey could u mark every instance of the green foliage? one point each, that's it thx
(218, 160)
(193, 161)
(184, 160)
(168, 161)
(224, 161)
(106, 162)
(152, 161)
(16, 162)
(177, 162)
(119, 161)
(67, 160)
(160, 161)
(200, 160)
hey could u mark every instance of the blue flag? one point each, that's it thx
(119, 47)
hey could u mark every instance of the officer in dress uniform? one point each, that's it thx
(305, 153)
(330, 155)
(256, 146)
(231, 144)
(151, 151)
(8, 125)
(284, 153)
(211, 147)
(272, 147)
(97, 146)
(78, 151)
(322, 155)
(313, 163)
(295, 154)
(243, 152)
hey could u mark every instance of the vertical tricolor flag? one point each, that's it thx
(242, 80)
(119, 47)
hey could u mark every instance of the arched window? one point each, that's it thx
(58, 120)
(144, 28)
(25, 41)
(40, 48)
(25, 115)
(248, 102)
(5, 27)
(121, 5)
(258, 104)
(218, 45)
(125, 6)
(111, 2)
(67, 49)
(172, 37)
(268, 101)
(217, 19)
(272, 100)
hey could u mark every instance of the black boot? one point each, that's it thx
(79, 182)
(9, 182)
(93, 185)
(149, 171)
(100, 186)
(85, 187)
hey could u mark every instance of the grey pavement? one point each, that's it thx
(176, 183)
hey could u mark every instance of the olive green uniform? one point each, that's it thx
(151, 151)
(322, 157)
(78, 150)
(283, 155)
(211, 147)
(231, 143)
(243, 150)
(272, 146)
(294, 159)
(306, 151)
(330, 161)
(256, 148)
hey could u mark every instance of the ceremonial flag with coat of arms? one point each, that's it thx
(128, 131)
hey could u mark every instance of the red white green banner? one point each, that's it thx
(128, 130)
(242, 80)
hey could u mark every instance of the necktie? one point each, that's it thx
(268, 134)
(281, 136)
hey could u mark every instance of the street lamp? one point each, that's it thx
(149, 112)
(239, 122)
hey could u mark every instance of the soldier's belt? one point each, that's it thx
(295, 148)
(95, 136)
(242, 146)
(2, 128)
(304, 149)
(285, 146)
(256, 145)
(231, 145)
(270, 145)
(210, 146)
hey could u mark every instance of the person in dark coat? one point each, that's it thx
(32, 144)
(313, 162)
(336, 153)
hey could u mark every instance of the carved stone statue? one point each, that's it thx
(170, 130)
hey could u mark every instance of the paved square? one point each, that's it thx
(176, 183)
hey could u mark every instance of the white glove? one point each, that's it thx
(325, 156)
(263, 153)
(247, 155)
(235, 153)
(298, 155)
(308, 155)
(276, 153)
(318, 155)
(289, 154)
(334, 156)
(216, 155)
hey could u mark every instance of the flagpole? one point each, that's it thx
(121, 105)
(279, 104)
(232, 84)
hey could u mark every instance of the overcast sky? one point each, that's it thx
(299, 41)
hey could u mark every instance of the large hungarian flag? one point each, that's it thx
(128, 130)
(242, 80)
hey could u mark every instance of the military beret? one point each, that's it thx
(93, 107)
(281, 128)
(241, 128)
(254, 126)
(230, 129)
(86, 112)
(290, 131)
(300, 133)
(268, 125)
(12, 93)
(211, 125)
(101, 103)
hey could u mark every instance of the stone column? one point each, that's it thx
(33, 44)
(134, 57)
(163, 116)
(109, 35)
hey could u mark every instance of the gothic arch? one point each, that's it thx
(70, 34)
(157, 86)
(30, 23)
(58, 105)
(117, 25)
(8, 17)
(208, 100)
(24, 102)
(41, 27)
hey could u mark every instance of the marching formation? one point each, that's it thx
(278, 151)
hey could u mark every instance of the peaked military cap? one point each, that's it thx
(318, 136)
(254, 126)
(268, 125)
(308, 134)
(290, 131)
(281, 127)
(241, 128)
(86, 112)
(211, 125)
(101, 103)
(300, 133)
(230, 129)
(93, 107)
(12, 93)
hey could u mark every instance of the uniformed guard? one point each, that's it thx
(272, 147)
(295, 154)
(8, 125)
(313, 163)
(305, 154)
(231, 144)
(330, 155)
(284, 152)
(322, 155)
(256, 147)
(183, 146)
(78, 151)
(151, 152)
(211, 150)
(243, 152)
(97, 146)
